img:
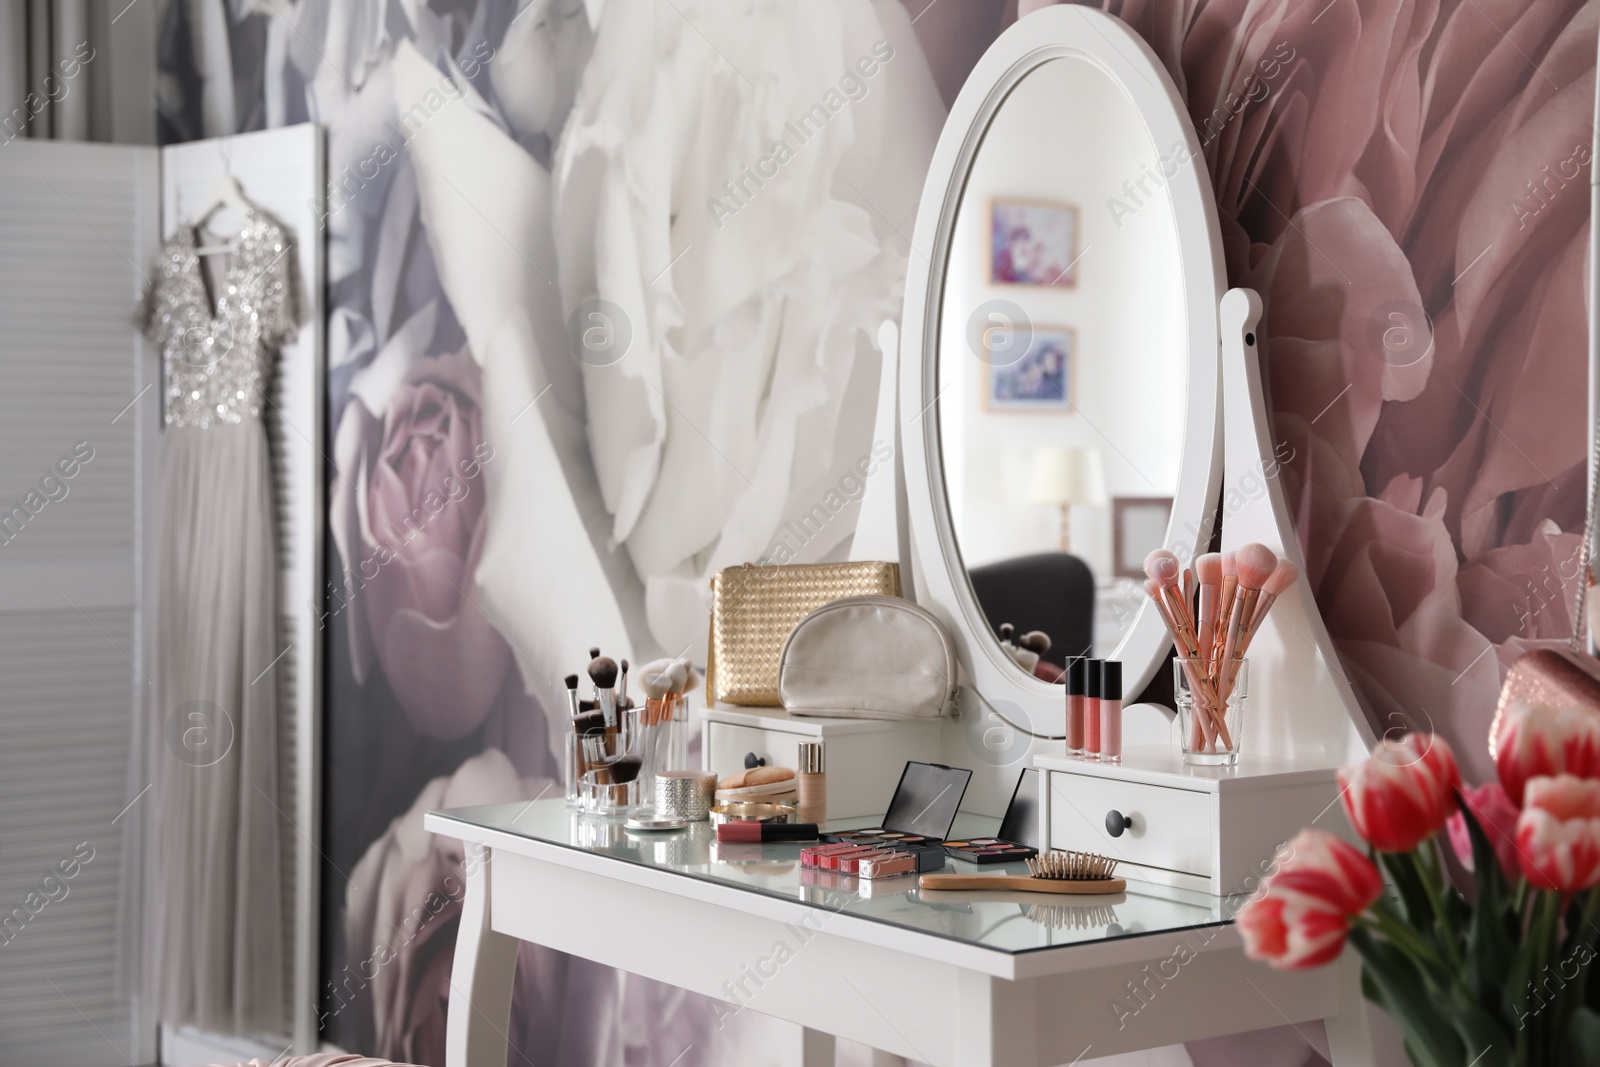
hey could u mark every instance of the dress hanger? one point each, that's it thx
(226, 193)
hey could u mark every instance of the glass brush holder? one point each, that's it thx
(605, 765)
(1211, 697)
(664, 738)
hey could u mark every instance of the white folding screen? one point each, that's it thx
(78, 422)
(281, 171)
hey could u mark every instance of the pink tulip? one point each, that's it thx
(1498, 818)
(1303, 914)
(1543, 739)
(1403, 794)
(1558, 833)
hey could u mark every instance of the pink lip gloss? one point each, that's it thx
(1077, 675)
(1111, 711)
(1091, 711)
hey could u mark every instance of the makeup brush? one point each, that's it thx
(1256, 564)
(691, 678)
(1035, 641)
(1006, 633)
(572, 693)
(622, 690)
(603, 673)
(1208, 575)
(1282, 577)
(1225, 599)
(1160, 565)
(624, 769)
(657, 687)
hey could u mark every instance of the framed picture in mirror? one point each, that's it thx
(1138, 525)
(1033, 242)
(1038, 380)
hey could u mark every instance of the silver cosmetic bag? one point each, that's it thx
(868, 657)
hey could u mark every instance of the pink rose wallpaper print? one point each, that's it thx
(1404, 182)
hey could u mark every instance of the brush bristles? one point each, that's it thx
(1072, 866)
(603, 672)
(1230, 564)
(1072, 916)
(572, 681)
(1256, 563)
(1163, 566)
(1208, 568)
(1283, 576)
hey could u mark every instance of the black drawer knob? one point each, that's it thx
(753, 760)
(1116, 822)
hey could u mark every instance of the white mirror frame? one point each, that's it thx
(943, 586)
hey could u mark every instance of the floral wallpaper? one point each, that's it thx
(1402, 180)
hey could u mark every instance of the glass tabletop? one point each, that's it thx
(1003, 920)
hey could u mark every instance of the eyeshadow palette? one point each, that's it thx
(988, 850)
(928, 852)
(919, 817)
(1016, 829)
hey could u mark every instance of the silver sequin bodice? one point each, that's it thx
(217, 359)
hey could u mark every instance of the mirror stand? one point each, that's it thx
(1303, 706)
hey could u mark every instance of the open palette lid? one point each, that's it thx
(927, 799)
(1021, 823)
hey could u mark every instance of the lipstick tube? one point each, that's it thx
(1111, 711)
(1091, 710)
(767, 831)
(885, 866)
(1077, 680)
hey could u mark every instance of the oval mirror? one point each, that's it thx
(1059, 374)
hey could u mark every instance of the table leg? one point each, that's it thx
(480, 982)
(1349, 1036)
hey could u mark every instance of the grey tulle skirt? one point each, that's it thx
(213, 945)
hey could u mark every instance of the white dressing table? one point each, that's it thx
(951, 979)
(1067, 103)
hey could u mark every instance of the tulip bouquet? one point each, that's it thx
(1497, 976)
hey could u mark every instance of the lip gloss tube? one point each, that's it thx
(1111, 711)
(1091, 711)
(812, 857)
(1077, 680)
(851, 864)
(830, 861)
(883, 866)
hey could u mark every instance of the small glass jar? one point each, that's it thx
(1210, 738)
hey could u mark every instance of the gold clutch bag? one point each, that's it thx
(754, 608)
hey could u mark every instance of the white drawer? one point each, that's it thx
(864, 759)
(726, 746)
(1171, 830)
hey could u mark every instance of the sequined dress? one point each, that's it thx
(212, 947)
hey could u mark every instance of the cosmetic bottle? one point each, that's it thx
(812, 784)
(1077, 675)
(1091, 709)
(1111, 711)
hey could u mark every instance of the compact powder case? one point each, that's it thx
(1016, 829)
(749, 811)
(920, 815)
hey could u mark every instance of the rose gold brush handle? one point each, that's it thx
(1208, 620)
(1183, 637)
(1263, 606)
(1243, 612)
(1199, 730)
(1225, 603)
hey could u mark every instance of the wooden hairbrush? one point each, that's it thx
(1053, 872)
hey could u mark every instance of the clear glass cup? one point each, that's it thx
(1208, 737)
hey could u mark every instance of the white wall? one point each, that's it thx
(1128, 378)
